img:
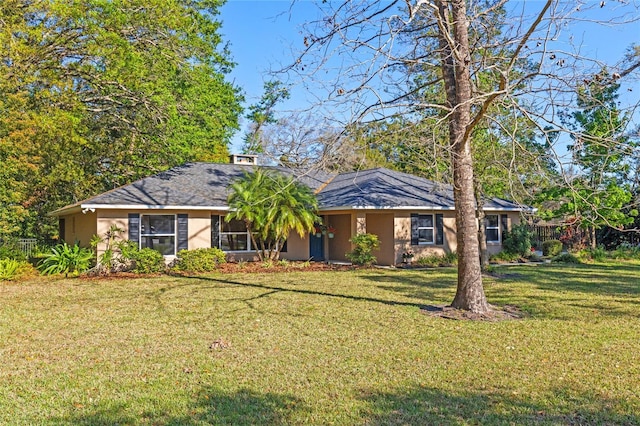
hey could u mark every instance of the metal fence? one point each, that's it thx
(27, 245)
(545, 233)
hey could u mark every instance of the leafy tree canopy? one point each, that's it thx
(598, 193)
(96, 93)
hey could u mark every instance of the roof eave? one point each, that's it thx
(440, 208)
(77, 208)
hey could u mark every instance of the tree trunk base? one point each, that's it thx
(493, 313)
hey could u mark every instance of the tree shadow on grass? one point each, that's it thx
(273, 289)
(427, 406)
(601, 279)
(423, 285)
(588, 289)
(210, 406)
(244, 407)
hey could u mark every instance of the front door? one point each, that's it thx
(316, 247)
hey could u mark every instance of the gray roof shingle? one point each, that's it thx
(206, 185)
(384, 188)
(192, 184)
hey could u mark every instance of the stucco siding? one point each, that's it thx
(382, 225)
(297, 248)
(80, 228)
(199, 229)
(339, 245)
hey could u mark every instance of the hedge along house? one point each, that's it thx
(184, 208)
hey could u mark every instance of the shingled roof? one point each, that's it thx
(196, 186)
(202, 186)
(387, 189)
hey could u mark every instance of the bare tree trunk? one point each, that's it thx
(482, 236)
(592, 236)
(457, 80)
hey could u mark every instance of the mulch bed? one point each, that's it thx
(233, 268)
(259, 267)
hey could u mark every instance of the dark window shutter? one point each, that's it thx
(62, 229)
(439, 229)
(183, 232)
(134, 227)
(504, 224)
(414, 229)
(215, 230)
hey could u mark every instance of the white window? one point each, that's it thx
(425, 229)
(492, 228)
(234, 236)
(158, 232)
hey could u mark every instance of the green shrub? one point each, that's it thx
(8, 269)
(450, 259)
(148, 261)
(626, 251)
(66, 259)
(551, 247)
(364, 245)
(11, 269)
(108, 260)
(140, 261)
(128, 250)
(504, 257)
(598, 254)
(565, 258)
(199, 260)
(301, 265)
(518, 240)
(433, 260)
(10, 250)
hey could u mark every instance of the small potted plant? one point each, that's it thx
(331, 231)
(407, 256)
(318, 231)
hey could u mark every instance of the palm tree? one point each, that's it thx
(272, 206)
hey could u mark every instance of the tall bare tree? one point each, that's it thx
(365, 48)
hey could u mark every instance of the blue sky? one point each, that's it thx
(262, 35)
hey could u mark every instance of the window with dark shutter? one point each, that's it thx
(134, 227)
(439, 229)
(215, 231)
(504, 226)
(62, 229)
(414, 229)
(183, 231)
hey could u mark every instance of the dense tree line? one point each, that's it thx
(97, 93)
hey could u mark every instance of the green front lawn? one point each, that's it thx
(348, 347)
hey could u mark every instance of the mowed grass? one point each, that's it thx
(343, 348)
